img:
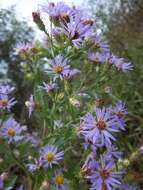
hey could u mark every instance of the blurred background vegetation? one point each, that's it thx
(121, 22)
(14, 31)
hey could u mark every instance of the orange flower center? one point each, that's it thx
(3, 103)
(11, 132)
(49, 156)
(104, 174)
(59, 180)
(57, 69)
(101, 125)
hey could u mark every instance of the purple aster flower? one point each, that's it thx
(97, 129)
(58, 66)
(58, 12)
(70, 73)
(103, 177)
(129, 187)
(32, 167)
(30, 105)
(6, 89)
(36, 165)
(48, 87)
(120, 64)
(112, 152)
(98, 57)
(59, 181)
(50, 156)
(23, 48)
(32, 138)
(12, 131)
(56, 32)
(6, 103)
(76, 30)
(97, 42)
(120, 112)
(89, 166)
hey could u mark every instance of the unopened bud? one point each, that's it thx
(45, 185)
(38, 21)
(16, 153)
(4, 176)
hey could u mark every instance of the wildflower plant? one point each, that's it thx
(74, 144)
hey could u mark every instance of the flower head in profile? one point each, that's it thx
(70, 73)
(120, 64)
(50, 156)
(48, 87)
(58, 12)
(98, 57)
(58, 66)
(32, 138)
(12, 131)
(36, 165)
(98, 43)
(89, 166)
(30, 105)
(103, 176)
(98, 129)
(22, 48)
(112, 152)
(119, 111)
(59, 181)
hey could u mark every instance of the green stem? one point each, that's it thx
(19, 164)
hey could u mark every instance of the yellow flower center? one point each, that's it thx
(59, 180)
(11, 132)
(49, 156)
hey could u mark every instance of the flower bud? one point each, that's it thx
(38, 21)
(45, 185)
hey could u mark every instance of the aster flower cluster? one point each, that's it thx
(58, 101)
(98, 130)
